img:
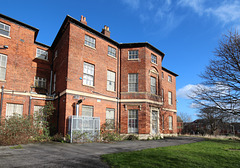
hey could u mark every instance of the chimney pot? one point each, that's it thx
(106, 31)
(83, 20)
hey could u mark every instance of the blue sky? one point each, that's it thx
(187, 31)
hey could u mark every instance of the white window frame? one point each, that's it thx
(12, 108)
(88, 74)
(133, 55)
(153, 85)
(169, 78)
(110, 118)
(170, 98)
(111, 77)
(41, 54)
(90, 41)
(133, 82)
(3, 66)
(133, 121)
(170, 120)
(40, 82)
(153, 58)
(111, 51)
(87, 109)
(5, 28)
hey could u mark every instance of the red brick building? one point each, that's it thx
(122, 83)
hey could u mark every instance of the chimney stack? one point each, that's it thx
(83, 20)
(106, 31)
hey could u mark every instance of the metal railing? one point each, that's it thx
(83, 129)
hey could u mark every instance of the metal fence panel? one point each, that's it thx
(82, 129)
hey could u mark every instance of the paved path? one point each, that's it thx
(56, 154)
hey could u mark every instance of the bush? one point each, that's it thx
(19, 129)
(108, 135)
(132, 138)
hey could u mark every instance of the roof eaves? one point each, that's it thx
(142, 44)
(165, 69)
(21, 23)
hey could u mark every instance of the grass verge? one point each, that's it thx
(209, 153)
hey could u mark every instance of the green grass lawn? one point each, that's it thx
(209, 153)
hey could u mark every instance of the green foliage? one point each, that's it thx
(16, 147)
(108, 135)
(59, 138)
(209, 153)
(132, 137)
(19, 129)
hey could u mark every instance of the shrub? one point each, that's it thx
(109, 135)
(19, 129)
(132, 137)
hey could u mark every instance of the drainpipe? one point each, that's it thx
(29, 107)
(118, 91)
(77, 107)
(58, 105)
(1, 100)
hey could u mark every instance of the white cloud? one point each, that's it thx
(186, 91)
(226, 12)
(196, 5)
(132, 3)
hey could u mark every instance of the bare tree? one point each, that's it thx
(185, 117)
(221, 87)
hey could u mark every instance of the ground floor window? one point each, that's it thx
(133, 121)
(110, 119)
(87, 111)
(14, 109)
(170, 123)
(38, 114)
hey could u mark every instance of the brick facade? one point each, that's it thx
(64, 74)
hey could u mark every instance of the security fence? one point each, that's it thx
(83, 129)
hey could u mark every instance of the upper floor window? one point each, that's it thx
(54, 82)
(90, 41)
(170, 98)
(133, 82)
(169, 78)
(88, 74)
(4, 29)
(133, 54)
(111, 51)
(55, 54)
(154, 59)
(162, 75)
(42, 54)
(153, 85)
(3, 66)
(111, 80)
(40, 82)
